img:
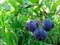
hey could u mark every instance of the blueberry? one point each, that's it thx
(32, 25)
(47, 24)
(40, 34)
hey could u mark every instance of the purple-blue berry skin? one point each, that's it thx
(32, 25)
(47, 24)
(40, 34)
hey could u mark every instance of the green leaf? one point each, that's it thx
(37, 10)
(34, 1)
(47, 3)
(0, 6)
(2, 42)
(13, 3)
(54, 6)
(6, 6)
(13, 38)
(20, 1)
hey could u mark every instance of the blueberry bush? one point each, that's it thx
(29, 22)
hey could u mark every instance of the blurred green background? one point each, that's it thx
(15, 13)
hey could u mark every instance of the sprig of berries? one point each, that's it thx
(39, 33)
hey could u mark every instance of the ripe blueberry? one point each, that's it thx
(47, 24)
(40, 34)
(32, 25)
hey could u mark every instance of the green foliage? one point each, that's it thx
(55, 4)
(15, 13)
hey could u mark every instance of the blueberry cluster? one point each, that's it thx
(39, 33)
